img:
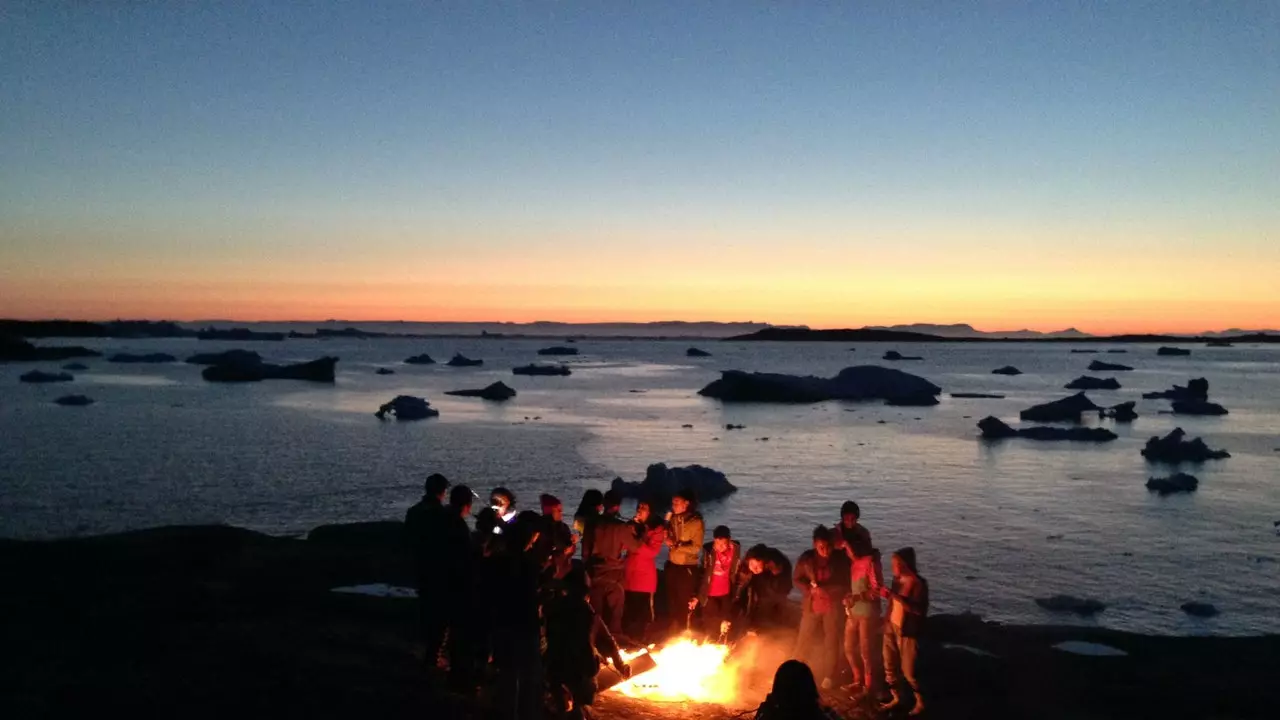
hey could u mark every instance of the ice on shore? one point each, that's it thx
(382, 590)
(1080, 647)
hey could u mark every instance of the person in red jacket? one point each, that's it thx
(642, 576)
(721, 559)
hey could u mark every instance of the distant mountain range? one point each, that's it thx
(964, 330)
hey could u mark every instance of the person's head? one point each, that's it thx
(523, 531)
(794, 687)
(683, 501)
(722, 539)
(436, 486)
(488, 522)
(756, 558)
(552, 507)
(460, 499)
(592, 503)
(612, 502)
(904, 561)
(643, 512)
(502, 500)
(822, 541)
(850, 513)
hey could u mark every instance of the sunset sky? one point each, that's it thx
(1113, 167)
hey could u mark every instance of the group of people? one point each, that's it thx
(546, 603)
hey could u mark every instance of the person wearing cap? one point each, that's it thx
(611, 538)
(721, 559)
(424, 523)
(908, 608)
(686, 532)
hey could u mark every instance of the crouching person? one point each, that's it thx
(576, 640)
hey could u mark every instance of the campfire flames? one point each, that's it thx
(685, 671)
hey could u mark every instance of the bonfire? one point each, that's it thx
(687, 670)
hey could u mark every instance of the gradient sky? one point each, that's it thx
(1113, 166)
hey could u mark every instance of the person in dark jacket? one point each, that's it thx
(555, 541)
(516, 624)
(763, 586)
(424, 523)
(576, 640)
(686, 532)
(908, 608)
(721, 559)
(642, 575)
(850, 529)
(611, 539)
(452, 576)
(822, 577)
(591, 507)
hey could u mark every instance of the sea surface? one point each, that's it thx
(995, 525)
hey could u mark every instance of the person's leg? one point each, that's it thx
(853, 654)
(432, 622)
(633, 614)
(614, 596)
(832, 634)
(675, 613)
(891, 661)
(869, 652)
(907, 649)
(804, 640)
(531, 680)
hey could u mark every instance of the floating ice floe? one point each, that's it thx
(382, 590)
(1080, 647)
(969, 649)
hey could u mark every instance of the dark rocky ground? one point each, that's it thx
(222, 622)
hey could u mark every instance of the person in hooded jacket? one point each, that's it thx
(721, 559)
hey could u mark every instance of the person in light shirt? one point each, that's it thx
(908, 608)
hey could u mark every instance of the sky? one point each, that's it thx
(1109, 166)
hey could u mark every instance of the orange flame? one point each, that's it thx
(685, 671)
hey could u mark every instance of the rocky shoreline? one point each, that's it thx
(220, 621)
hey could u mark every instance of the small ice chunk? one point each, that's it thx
(382, 590)
(969, 649)
(1080, 647)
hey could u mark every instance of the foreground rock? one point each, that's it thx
(862, 382)
(1175, 483)
(38, 376)
(1071, 604)
(74, 400)
(1197, 407)
(661, 483)
(1068, 409)
(227, 357)
(321, 370)
(1174, 449)
(1100, 366)
(1196, 389)
(18, 350)
(1124, 412)
(536, 369)
(1199, 609)
(921, 400)
(1172, 351)
(1084, 382)
(498, 391)
(145, 358)
(460, 360)
(558, 350)
(695, 352)
(895, 355)
(423, 359)
(407, 407)
(1006, 370)
(994, 428)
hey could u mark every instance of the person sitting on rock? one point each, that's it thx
(763, 586)
(611, 538)
(822, 577)
(642, 575)
(576, 640)
(794, 696)
(721, 559)
(909, 606)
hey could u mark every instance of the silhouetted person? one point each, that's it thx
(642, 575)
(555, 541)
(763, 586)
(862, 643)
(908, 608)
(850, 529)
(685, 534)
(822, 576)
(794, 696)
(576, 639)
(424, 523)
(487, 583)
(589, 509)
(452, 575)
(721, 559)
(504, 502)
(611, 538)
(516, 626)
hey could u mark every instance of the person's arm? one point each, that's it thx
(803, 579)
(694, 530)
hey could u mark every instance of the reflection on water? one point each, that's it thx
(995, 524)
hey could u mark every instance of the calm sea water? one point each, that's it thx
(995, 525)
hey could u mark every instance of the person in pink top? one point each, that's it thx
(862, 644)
(641, 581)
(721, 559)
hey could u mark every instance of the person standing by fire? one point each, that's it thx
(908, 608)
(822, 577)
(685, 534)
(642, 576)
(720, 563)
(611, 538)
(862, 645)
